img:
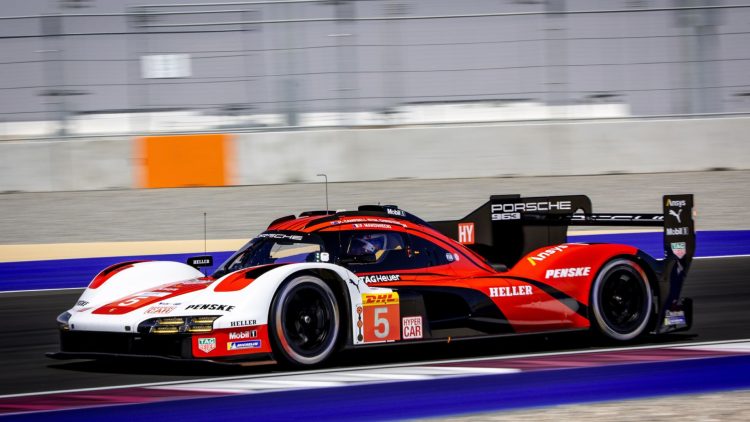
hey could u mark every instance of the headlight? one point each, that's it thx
(62, 321)
(178, 325)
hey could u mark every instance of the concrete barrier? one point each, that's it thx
(531, 149)
(68, 164)
(520, 149)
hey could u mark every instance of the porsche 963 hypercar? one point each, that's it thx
(323, 281)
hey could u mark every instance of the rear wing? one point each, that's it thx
(507, 227)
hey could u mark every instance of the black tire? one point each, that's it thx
(304, 321)
(621, 300)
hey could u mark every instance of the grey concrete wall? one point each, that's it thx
(67, 164)
(576, 148)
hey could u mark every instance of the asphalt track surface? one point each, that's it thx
(719, 287)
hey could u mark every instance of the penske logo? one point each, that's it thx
(568, 272)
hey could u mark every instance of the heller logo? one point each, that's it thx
(245, 323)
(510, 291)
(207, 345)
(411, 327)
(466, 233)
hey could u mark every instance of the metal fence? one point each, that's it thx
(191, 66)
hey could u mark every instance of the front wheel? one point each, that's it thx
(304, 321)
(621, 300)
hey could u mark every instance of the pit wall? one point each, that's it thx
(529, 149)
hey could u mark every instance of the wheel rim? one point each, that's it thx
(308, 322)
(623, 298)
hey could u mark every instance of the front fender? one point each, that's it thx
(132, 277)
(253, 302)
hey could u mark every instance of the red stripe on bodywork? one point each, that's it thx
(145, 298)
(108, 272)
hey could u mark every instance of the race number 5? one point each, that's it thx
(381, 317)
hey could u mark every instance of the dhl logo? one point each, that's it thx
(370, 299)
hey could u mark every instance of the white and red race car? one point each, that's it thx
(315, 284)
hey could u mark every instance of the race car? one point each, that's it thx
(315, 284)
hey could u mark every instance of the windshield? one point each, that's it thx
(274, 248)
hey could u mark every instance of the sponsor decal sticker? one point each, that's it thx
(207, 345)
(381, 317)
(81, 303)
(411, 327)
(369, 299)
(675, 318)
(512, 211)
(568, 272)
(679, 249)
(372, 226)
(510, 291)
(678, 231)
(543, 255)
(243, 335)
(245, 323)
(466, 233)
(380, 278)
(160, 309)
(280, 236)
(676, 215)
(679, 204)
(393, 211)
(211, 307)
(241, 345)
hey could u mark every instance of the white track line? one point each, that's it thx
(741, 344)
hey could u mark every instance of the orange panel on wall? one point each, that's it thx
(184, 160)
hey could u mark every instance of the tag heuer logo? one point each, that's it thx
(679, 249)
(206, 345)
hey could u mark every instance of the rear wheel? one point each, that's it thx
(621, 300)
(304, 321)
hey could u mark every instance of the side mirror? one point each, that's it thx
(200, 261)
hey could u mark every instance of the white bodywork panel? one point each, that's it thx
(252, 303)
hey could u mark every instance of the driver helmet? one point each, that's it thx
(367, 244)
